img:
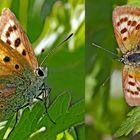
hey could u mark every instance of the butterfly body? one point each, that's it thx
(126, 22)
(131, 58)
(20, 91)
(21, 79)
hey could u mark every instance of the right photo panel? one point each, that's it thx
(112, 81)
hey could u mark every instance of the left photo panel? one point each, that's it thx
(42, 86)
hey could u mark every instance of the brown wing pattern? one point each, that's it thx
(11, 62)
(131, 84)
(126, 22)
(12, 34)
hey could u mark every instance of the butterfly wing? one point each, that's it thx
(6, 91)
(15, 71)
(11, 62)
(12, 34)
(126, 22)
(131, 84)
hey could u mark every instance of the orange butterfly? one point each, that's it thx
(126, 22)
(21, 78)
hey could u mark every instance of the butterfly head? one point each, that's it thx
(41, 72)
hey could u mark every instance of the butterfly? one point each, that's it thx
(21, 78)
(126, 22)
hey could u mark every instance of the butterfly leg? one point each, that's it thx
(46, 91)
(45, 88)
(17, 113)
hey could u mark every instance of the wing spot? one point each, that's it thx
(14, 27)
(2, 106)
(128, 90)
(7, 34)
(10, 29)
(6, 59)
(129, 22)
(17, 42)
(24, 52)
(131, 83)
(125, 38)
(121, 20)
(8, 42)
(133, 23)
(118, 23)
(138, 27)
(138, 88)
(123, 30)
(131, 92)
(136, 93)
(125, 19)
(16, 66)
(130, 76)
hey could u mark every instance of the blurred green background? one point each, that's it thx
(47, 23)
(105, 104)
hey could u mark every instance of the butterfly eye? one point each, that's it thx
(39, 72)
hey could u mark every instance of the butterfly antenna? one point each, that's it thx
(42, 51)
(53, 50)
(106, 80)
(97, 46)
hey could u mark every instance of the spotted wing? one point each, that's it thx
(11, 62)
(5, 93)
(12, 34)
(131, 85)
(15, 73)
(126, 22)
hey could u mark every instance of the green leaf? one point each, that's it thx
(21, 127)
(61, 112)
(132, 123)
(37, 12)
(134, 3)
(67, 120)
(64, 118)
(30, 117)
(4, 130)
